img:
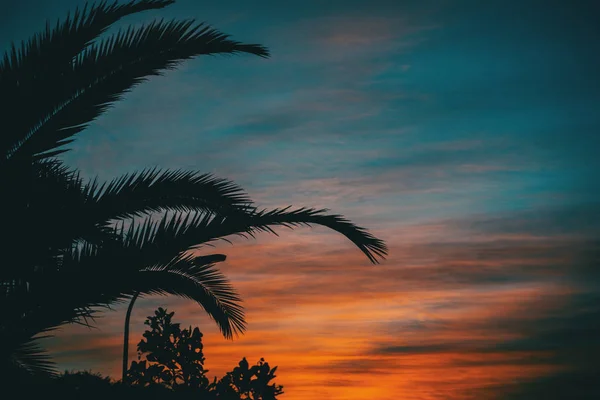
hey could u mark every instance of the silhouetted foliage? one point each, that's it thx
(249, 382)
(67, 252)
(174, 356)
(51, 87)
(174, 359)
(82, 381)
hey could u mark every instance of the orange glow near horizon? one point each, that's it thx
(340, 328)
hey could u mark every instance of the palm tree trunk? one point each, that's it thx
(126, 337)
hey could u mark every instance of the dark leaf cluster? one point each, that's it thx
(173, 359)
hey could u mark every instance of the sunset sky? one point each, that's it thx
(463, 133)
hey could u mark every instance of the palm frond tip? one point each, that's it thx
(78, 86)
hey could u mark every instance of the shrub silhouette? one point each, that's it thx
(174, 356)
(239, 383)
(82, 382)
(174, 359)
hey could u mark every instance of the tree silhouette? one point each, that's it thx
(173, 356)
(174, 359)
(249, 383)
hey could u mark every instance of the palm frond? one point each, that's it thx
(190, 277)
(371, 246)
(48, 307)
(186, 276)
(24, 323)
(30, 357)
(66, 296)
(104, 72)
(203, 229)
(76, 293)
(155, 190)
(30, 75)
(179, 232)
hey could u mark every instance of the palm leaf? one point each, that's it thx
(104, 72)
(371, 246)
(76, 293)
(66, 296)
(188, 278)
(179, 232)
(155, 190)
(30, 74)
(203, 229)
(33, 359)
(23, 358)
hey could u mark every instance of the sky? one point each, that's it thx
(463, 133)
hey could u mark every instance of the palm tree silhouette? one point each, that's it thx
(74, 246)
(52, 87)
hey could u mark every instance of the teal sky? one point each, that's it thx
(465, 133)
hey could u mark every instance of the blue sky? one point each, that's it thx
(464, 133)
